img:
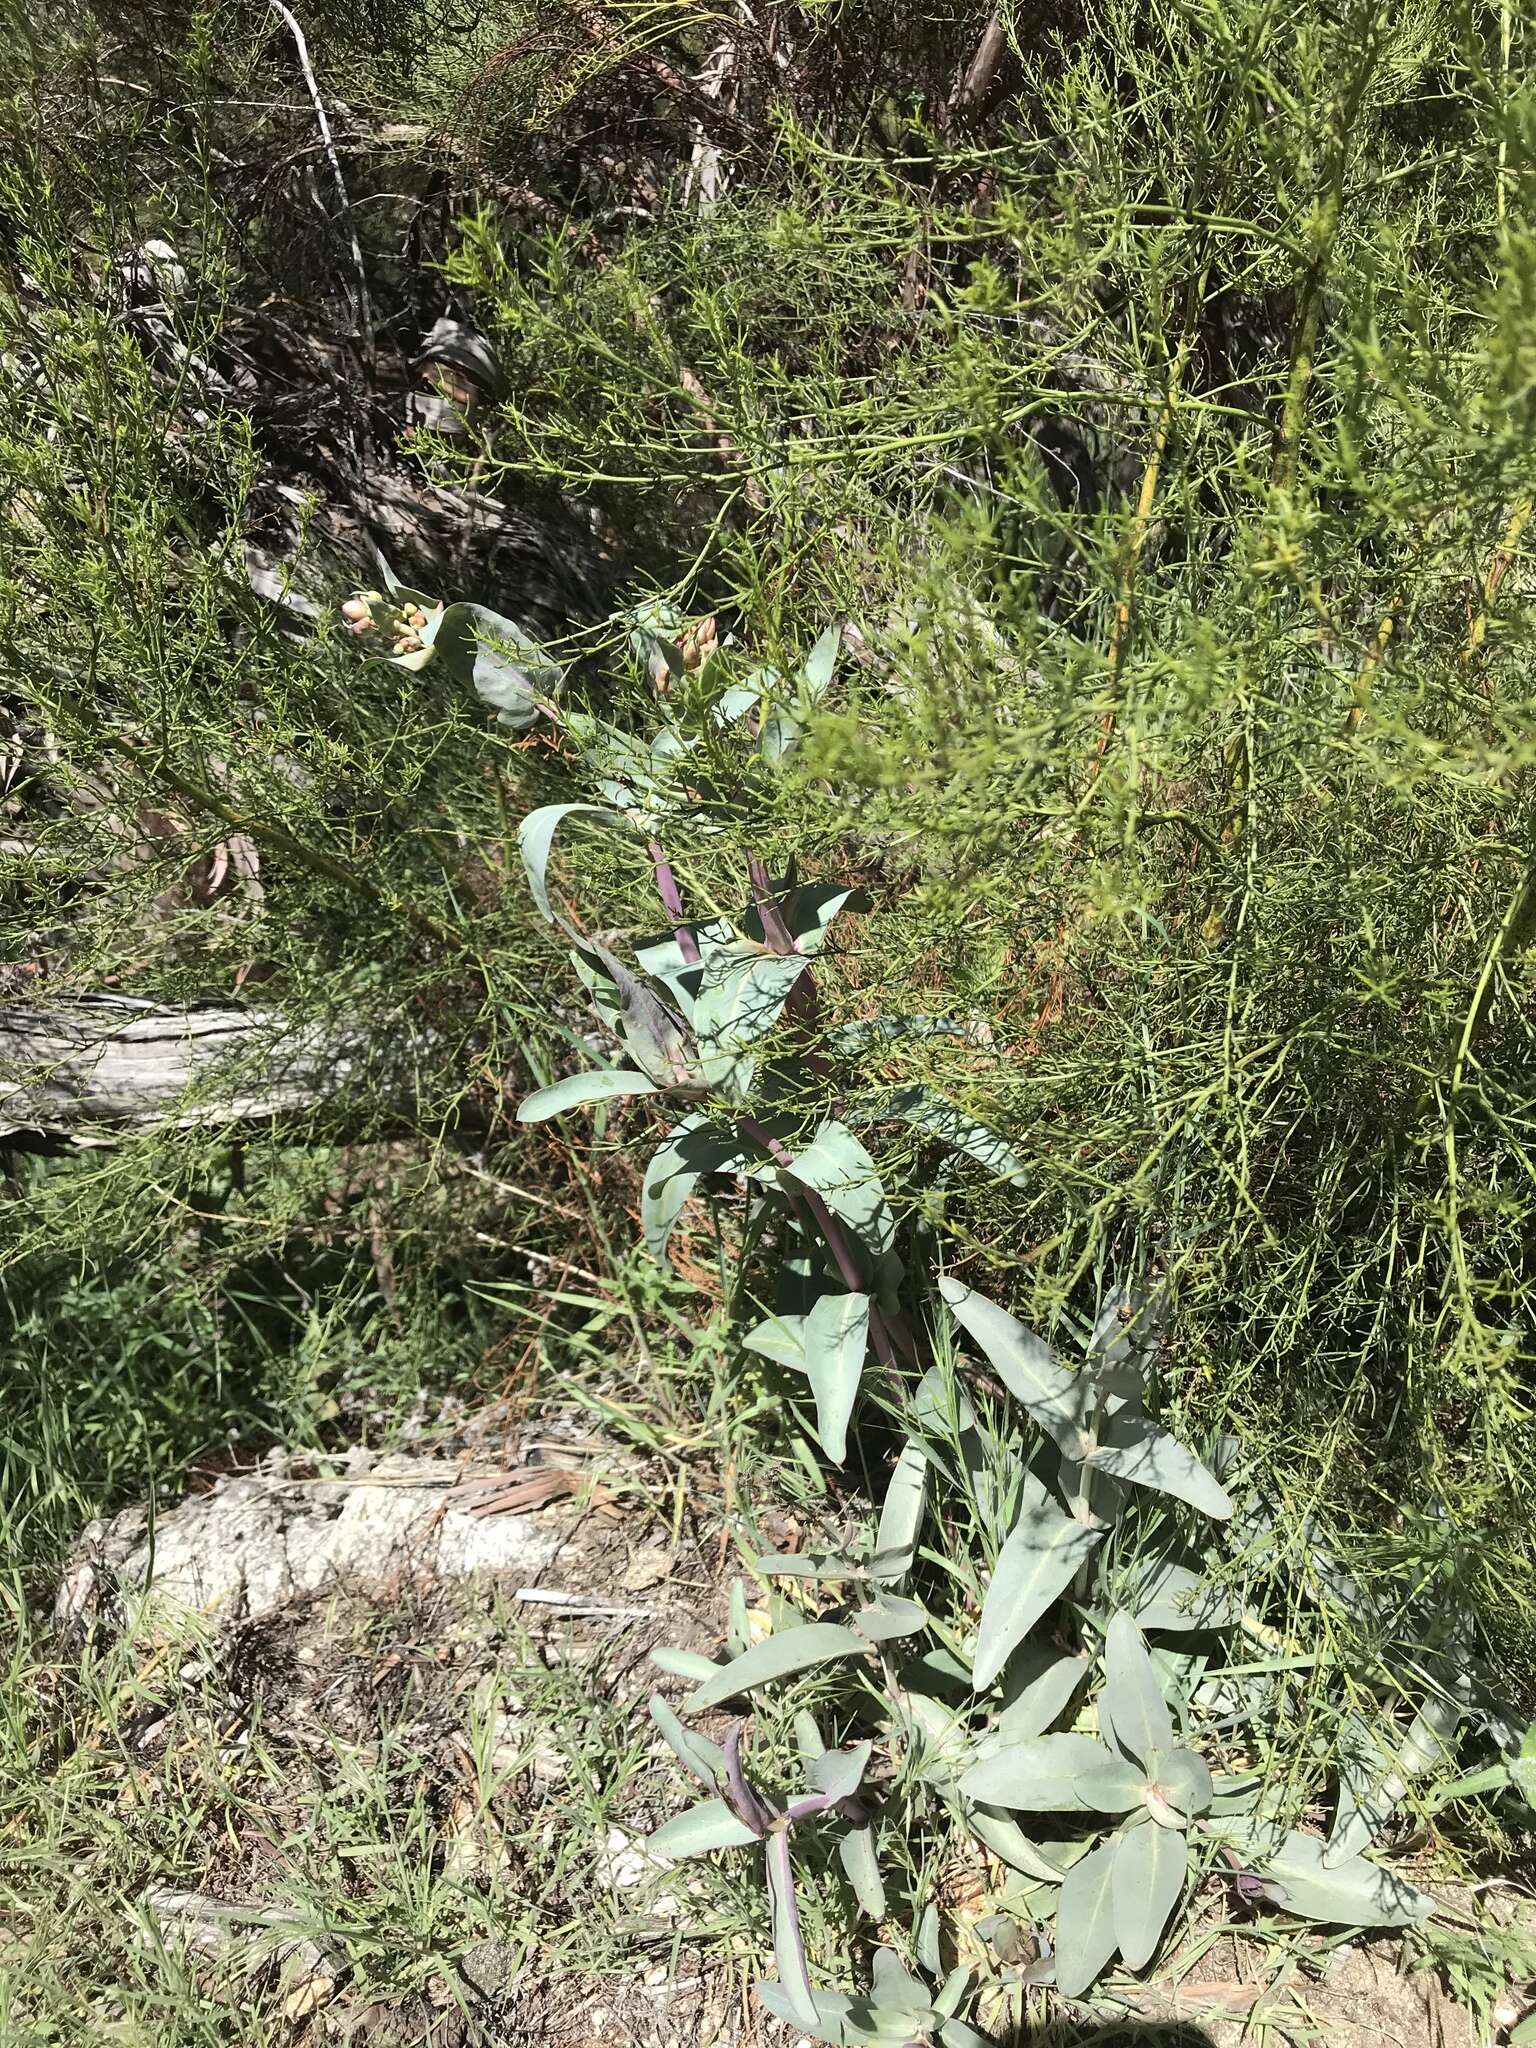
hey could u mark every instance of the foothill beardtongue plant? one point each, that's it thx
(1036, 1522)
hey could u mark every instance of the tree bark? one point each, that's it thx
(86, 1068)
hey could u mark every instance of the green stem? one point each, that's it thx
(283, 841)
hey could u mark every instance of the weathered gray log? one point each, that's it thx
(99, 1064)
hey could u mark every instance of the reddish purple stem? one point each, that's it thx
(671, 896)
(775, 930)
(742, 1796)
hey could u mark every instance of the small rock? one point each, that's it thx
(626, 1863)
(648, 1566)
(308, 1996)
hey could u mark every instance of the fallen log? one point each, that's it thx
(85, 1068)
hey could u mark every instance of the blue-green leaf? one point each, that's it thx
(828, 1345)
(843, 2021)
(821, 661)
(497, 659)
(692, 1148)
(662, 959)
(1135, 1449)
(741, 996)
(901, 1516)
(684, 1663)
(887, 1618)
(603, 1084)
(926, 1110)
(1025, 1365)
(809, 911)
(704, 1758)
(1035, 1566)
(1169, 1599)
(1009, 1843)
(1371, 1782)
(1037, 1691)
(1356, 1893)
(837, 1166)
(1145, 1886)
(1132, 1710)
(838, 1773)
(893, 1986)
(1522, 1767)
(788, 1946)
(1184, 1780)
(709, 1825)
(1055, 1774)
(861, 1866)
(536, 836)
(1085, 1920)
(836, 1340)
(781, 1656)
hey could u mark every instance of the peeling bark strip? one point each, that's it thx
(115, 1061)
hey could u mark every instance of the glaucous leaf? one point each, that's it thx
(807, 1564)
(1085, 1920)
(781, 1656)
(926, 1110)
(847, 1041)
(656, 1036)
(821, 661)
(1135, 1449)
(684, 1663)
(1056, 1774)
(1009, 1843)
(1037, 1690)
(1356, 1893)
(696, 1752)
(662, 959)
(857, 1854)
(781, 1338)
(828, 1345)
(1145, 1886)
(925, 1939)
(887, 1618)
(1184, 1779)
(1522, 1767)
(901, 1516)
(733, 703)
(741, 996)
(846, 2022)
(788, 1945)
(1132, 1711)
(808, 910)
(956, 2033)
(1025, 1365)
(506, 668)
(954, 1990)
(839, 1772)
(690, 1149)
(602, 1084)
(837, 1166)
(836, 1335)
(536, 838)
(709, 1825)
(893, 1985)
(1372, 1781)
(1125, 1334)
(941, 1404)
(1034, 1568)
(1170, 1599)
